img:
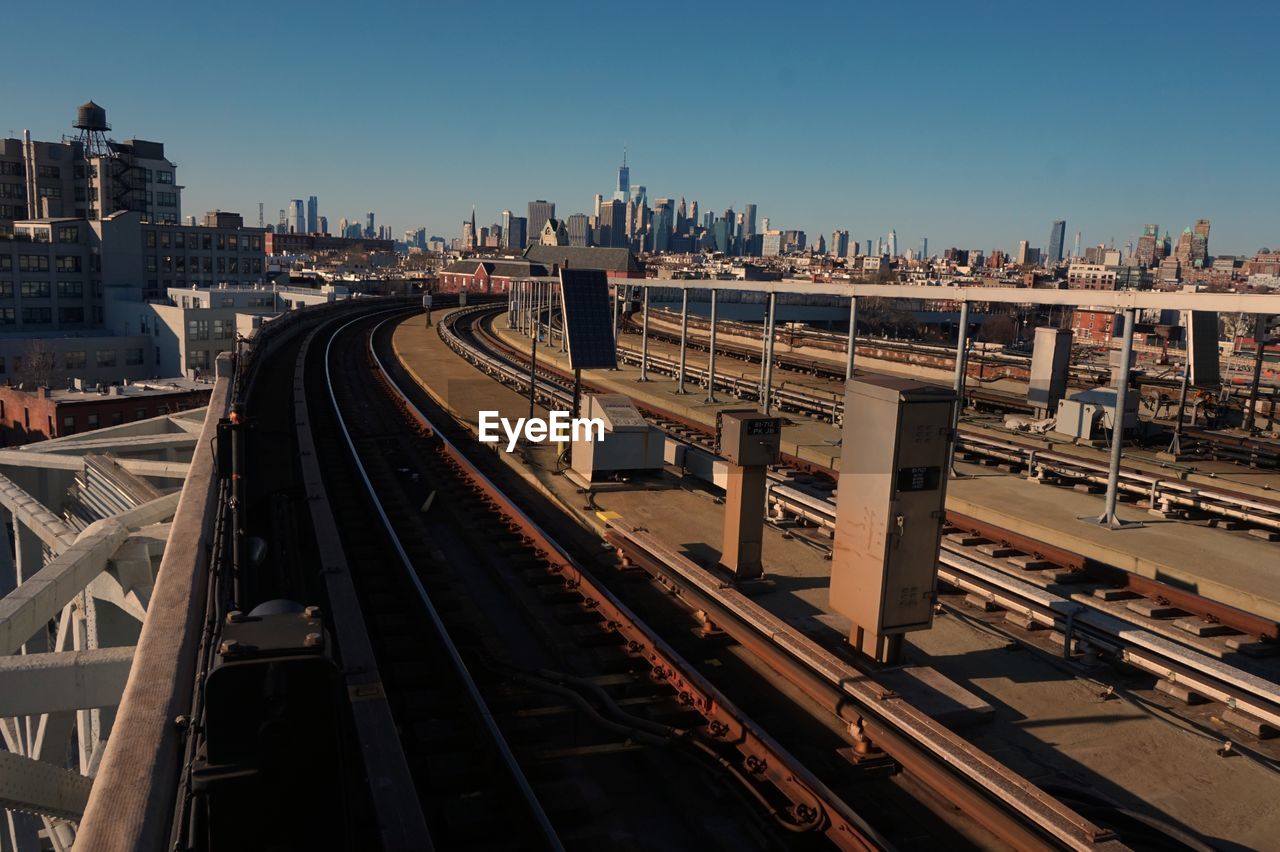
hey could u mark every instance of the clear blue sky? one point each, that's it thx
(974, 124)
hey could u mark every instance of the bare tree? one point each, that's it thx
(37, 363)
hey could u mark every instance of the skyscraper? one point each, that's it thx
(313, 215)
(749, 222)
(1146, 253)
(579, 230)
(924, 248)
(893, 243)
(539, 212)
(369, 230)
(517, 232)
(839, 243)
(297, 217)
(612, 229)
(1057, 236)
(623, 192)
(506, 229)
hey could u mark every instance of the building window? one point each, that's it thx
(197, 329)
(223, 328)
(6, 289)
(37, 316)
(106, 357)
(35, 289)
(197, 359)
(92, 420)
(69, 425)
(164, 239)
(8, 317)
(10, 169)
(48, 172)
(166, 199)
(233, 241)
(140, 414)
(179, 239)
(133, 356)
(74, 360)
(68, 263)
(164, 177)
(6, 263)
(69, 233)
(33, 263)
(13, 190)
(70, 315)
(151, 239)
(206, 242)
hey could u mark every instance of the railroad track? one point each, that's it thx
(581, 700)
(1181, 638)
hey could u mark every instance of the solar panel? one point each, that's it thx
(588, 319)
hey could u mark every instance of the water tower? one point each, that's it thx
(91, 121)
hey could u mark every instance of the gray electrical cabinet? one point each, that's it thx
(890, 508)
(1202, 349)
(629, 445)
(749, 442)
(1050, 361)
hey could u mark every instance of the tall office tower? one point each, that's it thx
(663, 222)
(820, 247)
(764, 224)
(369, 230)
(1200, 243)
(924, 248)
(539, 212)
(1146, 254)
(1076, 251)
(630, 222)
(282, 223)
(1057, 236)
(506, 229)
(678, 225)
(730, 219)
(693, 213)
(517, 232)
(623, 190)
(297, 216)
(1023, 251)
(866, 247)
(313, 215)
(879, 246)
(708, 220)
(322, 225)
(468, 234)
(748, 221)
(579, 230)
(639, 196)
(839, 243)
(893, 243)
(596, 201)
(343, 224)
(612, 230)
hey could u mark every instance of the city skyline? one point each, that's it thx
(962, 153)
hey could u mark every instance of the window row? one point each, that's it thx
(222, 241)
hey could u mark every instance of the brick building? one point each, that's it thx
(27, 416)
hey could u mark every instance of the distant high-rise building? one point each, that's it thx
(313, 215)
(1076, 251)
(839, 243)
(1057, 236)
(893, 243)
(623, 191)
(1024, 252)
(539, 212)
(662, 225)
(579, 230)
(749, 222)
(820, 247)
(596, 200)
(322, 226)
(517, 232)
(924, 248)
(866, 247)
(369, 229)
(297, 216)
(693, 214)
(1146, 253)
(342, 226)
(611, 232)
(505, 242)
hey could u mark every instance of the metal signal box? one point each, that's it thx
(749, 438)
(750, 442)
(894, 463)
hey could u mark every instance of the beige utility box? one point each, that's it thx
(749, 438)
(750, 442)
(630, 445)
(890, 500)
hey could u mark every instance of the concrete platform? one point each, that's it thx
(1049, 723)
(1233, 568)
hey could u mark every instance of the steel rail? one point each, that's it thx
(765, 758)
(473, 691)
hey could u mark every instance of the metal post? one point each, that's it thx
(962, 365)
(564, 339)
(533, 374)
(853, 336)
(617, 321)
(1259, 337)
(511, 302)
(1108, 517)
(766, 366)
(644, 339)
(237, 502)
(711, 357)
(684, 336)
(1175, 447)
